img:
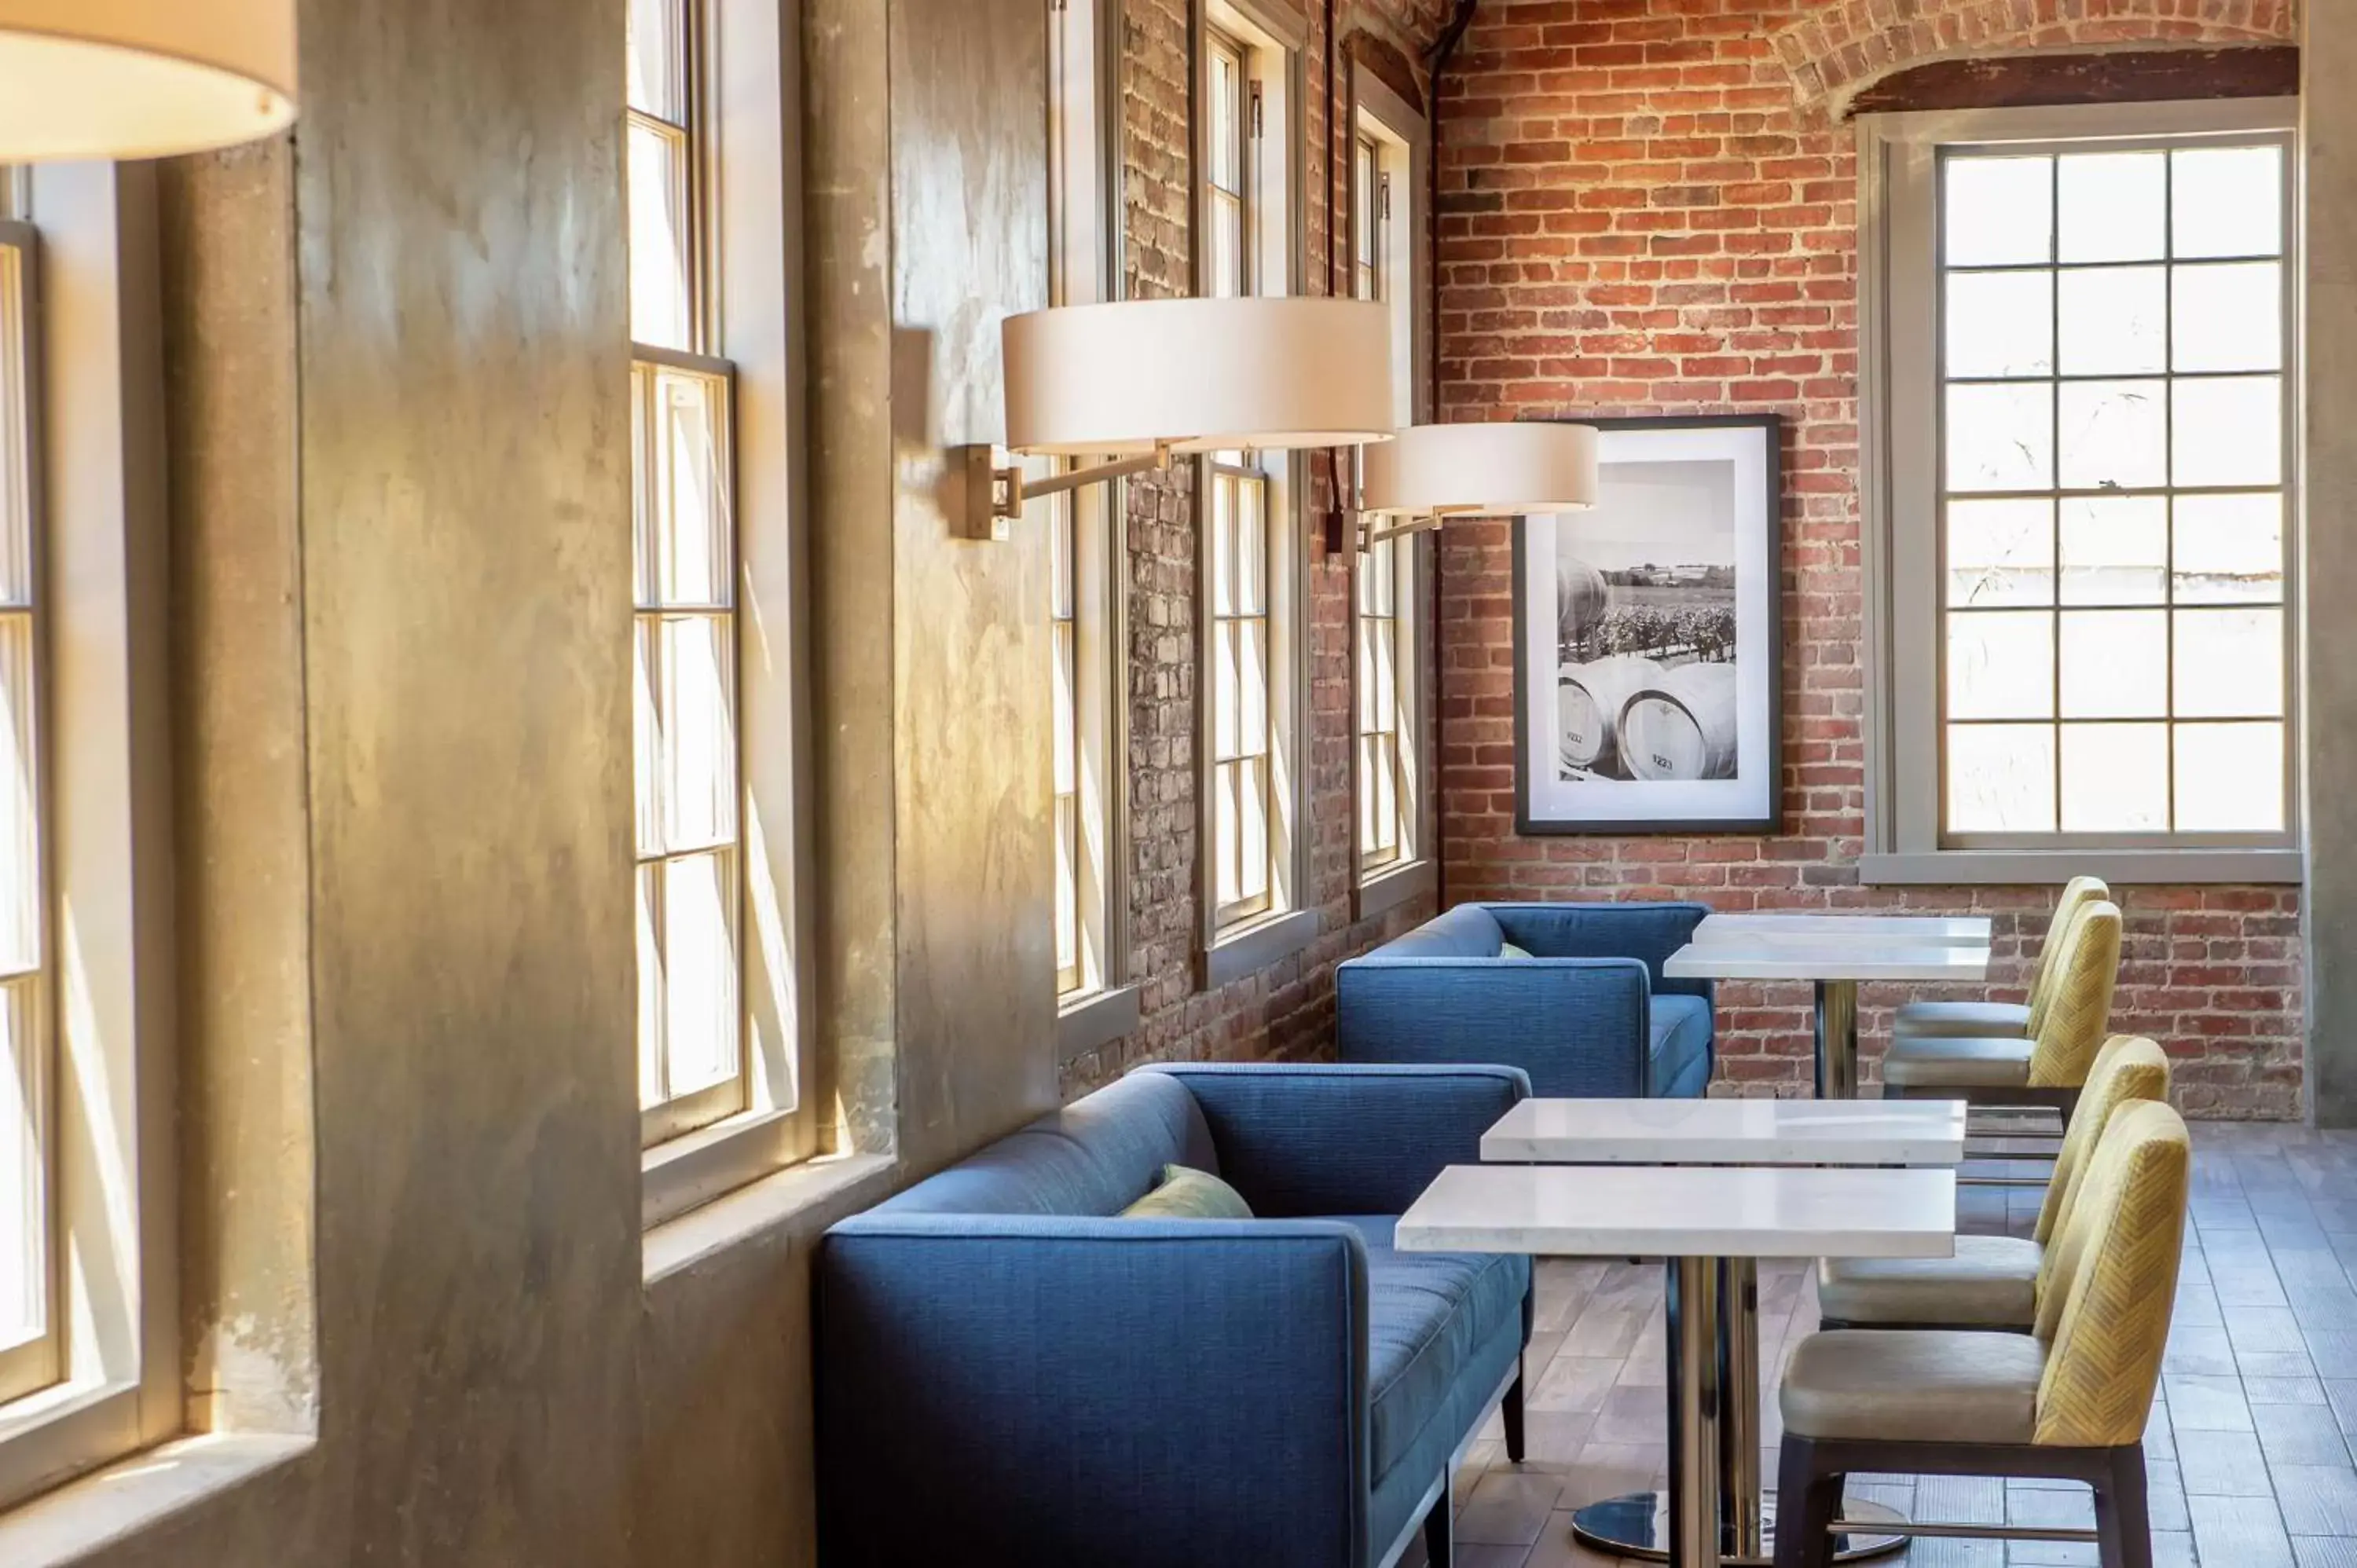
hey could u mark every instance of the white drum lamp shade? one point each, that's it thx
(1198, 375)
(141, 79)
(1484, 470)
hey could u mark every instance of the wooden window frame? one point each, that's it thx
(745, 120)
(1398, 134)
(1095, 1001)
(1906, 840)
(1248, 934)
(93, 361)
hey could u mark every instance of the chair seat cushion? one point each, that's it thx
(1427, 1313)
(2000, 1019)
(1914, 1386)
(1681, 1044)
(1991, 1282)
(1938, 1061)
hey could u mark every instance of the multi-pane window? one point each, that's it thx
(1386, 569)
(691, 875)
(1247, 216)
(2113, 341)
(1084, 606)
(1063, 597)
(1227, 183)
(1243, 780)
(29, 1329)
(1383, 793)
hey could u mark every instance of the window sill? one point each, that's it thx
(688, 1172)
(809, 1197)
(1248, 949)
(1393, 886)
(139, 1492)
(2128, 867)
(1094, 1019)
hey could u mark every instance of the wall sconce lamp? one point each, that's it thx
(1138, 382)
(142, 78)
(1429, 473)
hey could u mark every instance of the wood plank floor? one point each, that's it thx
(2249, 1447)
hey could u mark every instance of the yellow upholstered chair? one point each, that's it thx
(1995, 1281)
(2001, 1020)
(2067, 1024)
(2068, 1400)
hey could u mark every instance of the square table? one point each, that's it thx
(1729, 1132)
(1784, 926)
(1702, 1218)
(1834, 965)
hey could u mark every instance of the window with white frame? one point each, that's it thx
(1384, 637)
(2089, 563)
(1085, 608)
(690, 876)
(1388, 141)
(30, 1329)
(1251, 530)
(90, 1362)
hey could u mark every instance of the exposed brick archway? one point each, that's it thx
(1834, 51)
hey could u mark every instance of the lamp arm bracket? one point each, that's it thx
(1010, 489)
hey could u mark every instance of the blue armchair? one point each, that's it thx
(1588, 1014)
(1007, 1371)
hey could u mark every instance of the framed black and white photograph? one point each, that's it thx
(1647, 636)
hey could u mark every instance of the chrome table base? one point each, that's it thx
(1638, 1526)
(1714, 1511)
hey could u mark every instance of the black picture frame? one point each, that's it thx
(1531, 823)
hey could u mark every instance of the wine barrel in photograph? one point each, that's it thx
(1588, 700)
(1581, 598)
(1682, 726)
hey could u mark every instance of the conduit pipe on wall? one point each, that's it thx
(1443, 52)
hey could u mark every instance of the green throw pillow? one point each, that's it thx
(1507, 949)
(1186, 1193)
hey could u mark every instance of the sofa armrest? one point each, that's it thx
(1649, 932)
(1003, 1388)
(1315, 1138)
(1578, 1026)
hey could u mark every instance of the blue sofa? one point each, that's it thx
(1009, 1372)
(1588, 1016)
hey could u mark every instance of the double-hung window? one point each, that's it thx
(1388, 145)
(1255, 703)
(90, 1361)
(1086, 584)
(2080, 504)
(722, 1042)
(30, 1326)
(690, 872)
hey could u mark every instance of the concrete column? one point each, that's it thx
(2328, 534)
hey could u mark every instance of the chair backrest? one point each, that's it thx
(2128, 1069)
(2106, 1321)
(2065, 1035)
(2077, 891)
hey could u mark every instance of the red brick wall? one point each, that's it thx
(1648, 208)
(1287, 1010)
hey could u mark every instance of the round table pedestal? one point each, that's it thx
(1638, 1525)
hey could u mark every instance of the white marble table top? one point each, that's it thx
(1907, 930)
(1762, 960)
(1731, 1133)
(1683, 1211)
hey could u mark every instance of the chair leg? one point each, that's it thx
(1806, 1505)
(2123, 1525)
(1513, 1412)
(1440, 1530)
